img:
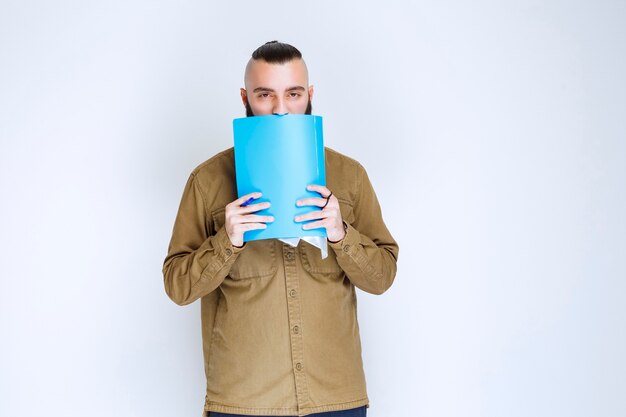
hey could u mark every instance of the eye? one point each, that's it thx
(264, 95)
(294, 94)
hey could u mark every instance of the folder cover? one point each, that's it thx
(279, 155)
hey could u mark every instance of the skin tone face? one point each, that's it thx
(277, 88)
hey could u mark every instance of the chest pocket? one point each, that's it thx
(313, 263)
(257, 260)
(347, 212)
(312, 258)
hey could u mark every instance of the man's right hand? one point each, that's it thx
(239, 219)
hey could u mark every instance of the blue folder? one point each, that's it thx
(279, 155)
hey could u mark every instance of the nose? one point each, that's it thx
(280, 107)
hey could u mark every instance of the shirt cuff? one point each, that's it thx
(225, 251)
(224, 256)
(349, 244)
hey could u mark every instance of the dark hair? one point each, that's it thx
(275, 52)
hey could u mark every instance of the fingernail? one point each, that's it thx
(297, 218)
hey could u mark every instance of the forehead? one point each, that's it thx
(276, 76)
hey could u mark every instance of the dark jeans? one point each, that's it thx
(355, 412)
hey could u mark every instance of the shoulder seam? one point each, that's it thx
(211, 160)
(193, 178)
(354, 161)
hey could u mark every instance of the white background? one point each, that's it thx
(494, 133)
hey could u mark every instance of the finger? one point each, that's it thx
(243, 199)
(324, 192)
(314, 201)
(315, 225)
(251, 208)
(244, 227)
(253, 218)
(314, 215)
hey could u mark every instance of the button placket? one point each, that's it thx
(295, 320)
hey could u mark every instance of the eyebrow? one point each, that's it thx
(269, 90)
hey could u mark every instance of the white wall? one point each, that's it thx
(493, 132)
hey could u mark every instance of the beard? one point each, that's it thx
(249, 113)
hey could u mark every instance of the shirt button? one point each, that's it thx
(289, 256)
(296, 329)
(228, 252)
(346, 248)
(292, 293)
(298, 366)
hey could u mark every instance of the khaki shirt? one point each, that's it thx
(279, 324)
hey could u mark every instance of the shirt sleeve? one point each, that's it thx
(368, 253)
(198, 258)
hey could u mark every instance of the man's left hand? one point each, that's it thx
(329, 217)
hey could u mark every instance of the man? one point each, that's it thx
(279, 324)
